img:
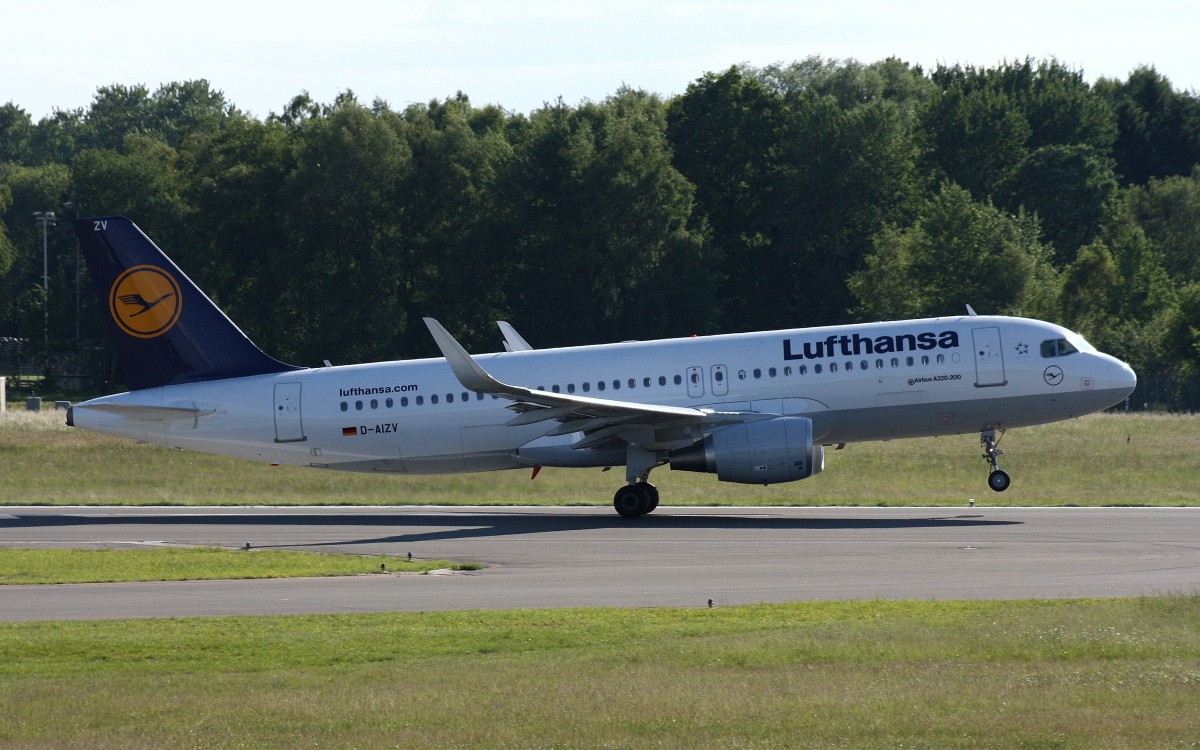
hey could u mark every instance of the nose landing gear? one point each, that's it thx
(998, 479)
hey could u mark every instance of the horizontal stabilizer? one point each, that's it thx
(149, 413)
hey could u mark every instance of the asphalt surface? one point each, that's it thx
(585, 557)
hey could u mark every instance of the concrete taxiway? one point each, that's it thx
(583, 557)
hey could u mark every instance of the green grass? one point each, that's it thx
(1038, 674)
(193, 563)
(1105, 459)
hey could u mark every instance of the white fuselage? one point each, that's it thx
(873, 381)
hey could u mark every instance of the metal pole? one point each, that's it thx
(46, 219)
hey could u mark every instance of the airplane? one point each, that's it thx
(752, 408)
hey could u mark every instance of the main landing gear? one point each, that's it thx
(636, 499)
(998, 479)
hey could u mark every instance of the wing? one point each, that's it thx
(513, 341)
(603, 421)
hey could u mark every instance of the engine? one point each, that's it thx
(767, 452)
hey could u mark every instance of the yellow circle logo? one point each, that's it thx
(145, 301)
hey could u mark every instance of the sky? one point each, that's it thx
(522, 54)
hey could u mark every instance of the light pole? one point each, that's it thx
(47, 220)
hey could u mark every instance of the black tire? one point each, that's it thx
(998, 480)
(631, 501)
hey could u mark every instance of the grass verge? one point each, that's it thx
(1042, 674)
(25, 566)
(1103, 459)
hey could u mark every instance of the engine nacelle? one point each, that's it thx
(767, 452)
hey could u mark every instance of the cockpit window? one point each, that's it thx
(1057, 348)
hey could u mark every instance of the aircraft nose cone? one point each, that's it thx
(1119, 377)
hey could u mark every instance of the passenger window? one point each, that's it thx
(803, 369)
(646, 382)
(832, 366)
(449, 398)
(632, 383)
(757, 373)
(864, 365)
(908, 361)
(941, 359)
(787, 371)
(433, 399)
(771, 372)
(570, 387)
(420, 400)
(599, 385)
(695, 378)
(879, 364)
(374, 403)
(345, 406)
(678, 380)
(404, 401)
(816, 369)
(925, 359)
(741, 374)
(895, 362)
(389, 403)
(587, 387)
(849, 367)
(554, 388)
(719, 376)
(358, 405)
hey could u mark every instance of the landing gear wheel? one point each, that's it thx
(634, 500)
(998, 480)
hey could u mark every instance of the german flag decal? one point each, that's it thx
(349, 431)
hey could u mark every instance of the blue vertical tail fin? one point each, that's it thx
(165, 330)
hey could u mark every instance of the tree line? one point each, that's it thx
(818, 192)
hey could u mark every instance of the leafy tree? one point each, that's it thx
(16, 129)
(232, 188)
(849, 82)
(1088, 296)
(956, 252)
(140, 181)
(1182, 337)
(1158, 127)
(455, 232)
(26, 190)
(1069, 188)
(1168, 210)
(975, 140)
(724, 130)
(600, 207)
(794, 185)
(342, 295)
(985, 122)
(7, 252)
(54, 138)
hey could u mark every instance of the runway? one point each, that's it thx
(590, 557)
